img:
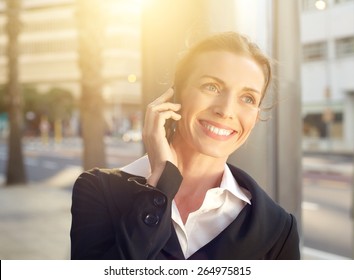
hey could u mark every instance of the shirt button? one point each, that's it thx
(159, 200)
(151, 219)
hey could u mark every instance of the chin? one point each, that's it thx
(215, 152)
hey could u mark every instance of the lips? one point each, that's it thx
(217, 129)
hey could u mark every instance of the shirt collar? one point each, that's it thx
(141, 167)
(228, 182)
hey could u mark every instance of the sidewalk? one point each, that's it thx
(35, 219)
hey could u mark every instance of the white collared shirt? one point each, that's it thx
(220, 207)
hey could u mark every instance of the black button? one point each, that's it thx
(159, 200)
(151, 219)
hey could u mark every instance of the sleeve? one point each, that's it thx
(132, 223)
(290, 249)
(91, 229)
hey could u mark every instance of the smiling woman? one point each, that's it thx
(183, 200)
(228, 88)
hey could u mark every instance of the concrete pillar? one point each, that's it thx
(287, 126)
(348, 130)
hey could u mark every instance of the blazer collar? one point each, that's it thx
(172, 249)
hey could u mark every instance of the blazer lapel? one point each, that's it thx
(232, 243)
(172, 249)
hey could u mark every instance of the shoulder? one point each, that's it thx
(107, 188)
(268, 219)
(117, 184)
(99, 179)
(262, 204)
(93, 178)
(247, 181)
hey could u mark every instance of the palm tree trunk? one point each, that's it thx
(90, 40)
(15, 165)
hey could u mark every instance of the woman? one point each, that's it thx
(182, 200)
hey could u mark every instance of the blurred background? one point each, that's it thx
(76, 75)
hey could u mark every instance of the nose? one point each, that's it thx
(225, 108)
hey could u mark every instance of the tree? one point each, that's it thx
(90, 23)
(3, 107)
(56, 105)
(60, 104)
(15, 173)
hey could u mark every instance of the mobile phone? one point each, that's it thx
(170, 125)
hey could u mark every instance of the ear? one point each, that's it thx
(258, 118)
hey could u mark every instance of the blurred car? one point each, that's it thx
(132, 136)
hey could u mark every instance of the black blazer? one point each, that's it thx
(115, 215)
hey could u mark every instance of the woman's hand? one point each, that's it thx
(154, 134)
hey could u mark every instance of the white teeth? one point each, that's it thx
(218, 131)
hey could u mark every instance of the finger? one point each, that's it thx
(163, 98)
(164, 116)
(160, 120)
(170, 115)
(165, 107)
(154, 112)
(157, 121)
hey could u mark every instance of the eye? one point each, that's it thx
(210, 87)
(248, 99)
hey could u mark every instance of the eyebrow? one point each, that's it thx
(224, 84)
(252, 89)
(214, 78)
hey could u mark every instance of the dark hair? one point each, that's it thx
(226, 41)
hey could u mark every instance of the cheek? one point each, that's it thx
(187, 119)
(189, 112)
(190, 104)
(250, 120)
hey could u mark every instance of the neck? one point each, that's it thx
(198, 170)
(200, 173)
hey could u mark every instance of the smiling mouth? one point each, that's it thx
(217, 130)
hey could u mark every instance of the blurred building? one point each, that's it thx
(49, 59)
(327, 35)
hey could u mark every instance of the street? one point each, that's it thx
(45, 160)
(327, 204)
(327, 225)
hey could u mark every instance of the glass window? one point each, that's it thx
(49, 25)
(315, 125)
(52, 46)
(315, 51)
(345, 46)
(342, 1)
(308, 5)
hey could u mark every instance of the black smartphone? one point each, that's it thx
(170, 125)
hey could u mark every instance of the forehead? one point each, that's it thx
(229, 67)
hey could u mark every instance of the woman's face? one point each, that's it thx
(220, 103)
